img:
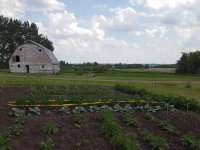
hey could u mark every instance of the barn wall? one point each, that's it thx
(34, 56)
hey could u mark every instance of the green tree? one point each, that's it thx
(14, 32)
(189, 63)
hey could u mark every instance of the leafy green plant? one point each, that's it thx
(94, 108)
(79, 109)
(129, 120)
(5, 141)
(35, 111)
(79, 120)
(15, 129)
(64, 110)
(128, 108)
(16, 112)
(118, 108)
(106, 108)
(190, 141)
(51, 128)
(156, 142)
(47, 144)
(20, 120)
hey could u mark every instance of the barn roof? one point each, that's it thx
(50, 54)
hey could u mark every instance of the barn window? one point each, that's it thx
(42, 66)
(40, 50)
(18, 66)
(17, 59)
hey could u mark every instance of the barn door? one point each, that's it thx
(27, 68)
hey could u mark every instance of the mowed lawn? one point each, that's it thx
(166, 83)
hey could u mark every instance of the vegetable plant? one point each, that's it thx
(51, 128)
(64, 110)
(79, 109)
(15, 129)
(16, 112)
(47, 144)
(129, 120)
(94, 108)
(5, 141)
(79, 120)
(190, 141)
(35, 111)
(156, 142)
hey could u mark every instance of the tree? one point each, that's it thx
(189, 63)
(13, 33)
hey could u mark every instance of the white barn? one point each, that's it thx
(32, 57)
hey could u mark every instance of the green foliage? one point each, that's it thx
(47, 144)
(128, 108)
(113, 130)
(123, 141)
(16, 112)
(106, 108)
(189, 63)
(51, 128)
(156, 142)
(35, 111)
(14, 32)
(83, 142)
(165, 125)
(79, 109)
(94, 108)
(190, 141)
(79, 120)
(129, 120)
(118, 108)
(15, 129)
(5, 141)
(64, 110)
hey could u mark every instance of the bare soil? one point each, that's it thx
(69, 136)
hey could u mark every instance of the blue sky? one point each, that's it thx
(113, 31)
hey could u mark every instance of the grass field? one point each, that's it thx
(157, 81)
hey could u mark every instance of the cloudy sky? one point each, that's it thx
(113, 31)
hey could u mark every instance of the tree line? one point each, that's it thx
(14, 32)
(189, 63)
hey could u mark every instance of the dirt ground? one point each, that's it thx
(69, 136)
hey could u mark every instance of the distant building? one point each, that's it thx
(32, 57)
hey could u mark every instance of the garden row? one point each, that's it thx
(178, 102)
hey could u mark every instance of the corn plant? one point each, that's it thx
(51, 128)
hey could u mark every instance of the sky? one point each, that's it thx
(113, 31)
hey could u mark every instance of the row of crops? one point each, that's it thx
(68, 95)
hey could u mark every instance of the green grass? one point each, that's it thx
(167, 83)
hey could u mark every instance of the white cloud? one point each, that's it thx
(16, 8)
(124, 19)
(157, 31)
(165, 4)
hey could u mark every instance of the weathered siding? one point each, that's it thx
(33, 59)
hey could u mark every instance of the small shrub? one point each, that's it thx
(47, 144)
(51, 128)
(79, 120)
